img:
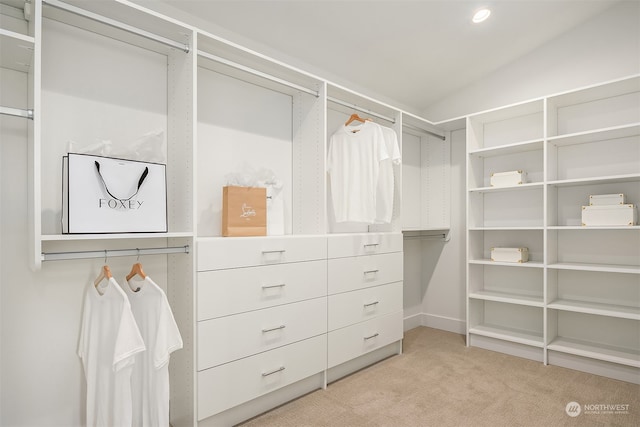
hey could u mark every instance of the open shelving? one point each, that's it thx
(587, 282)
(154, 93)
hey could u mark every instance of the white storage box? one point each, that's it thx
(508, 179)
(510, 254)
(606, 199)
(611, 215)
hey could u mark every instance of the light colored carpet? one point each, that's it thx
(438, 381)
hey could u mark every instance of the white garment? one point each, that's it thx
(109, 341)
(150, 378)
(386, 181)
(353, 163)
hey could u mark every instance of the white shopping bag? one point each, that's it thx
(108, 195)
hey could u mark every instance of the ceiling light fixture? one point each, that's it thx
(481, 15)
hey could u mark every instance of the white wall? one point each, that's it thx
(604, 48)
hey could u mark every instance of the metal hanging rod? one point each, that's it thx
(442, 137)
(117, 24)
(361, 109)
(427, 236)
(17, 112)
(380, 116)
(442, 236)
(258, 73)
(110, 253)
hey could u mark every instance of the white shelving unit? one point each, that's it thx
(114, 71)
(154, 92)
(579, 295)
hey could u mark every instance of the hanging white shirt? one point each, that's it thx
(353, 163)
(109, 341)
(386, 180)
(150, 378)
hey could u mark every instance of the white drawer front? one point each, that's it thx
(229, 385)
(355, 340)
(225, 292)
(229, 338)
(356, 306)
(364, 244)
(230, 252)
(348, 274)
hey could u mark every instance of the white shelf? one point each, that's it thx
(614, 132)
(8, 36)
(506, 228)
(508, 334)
(521, 187)
(503, 150)
(17, 50)
(611, 179)
(611, 310)
(528, 264)
(509, 298)
(590, 227)
(114, 236)
(605, 268)
(586, 349)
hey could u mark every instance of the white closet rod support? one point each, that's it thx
(258, 73)
(18, 112)
(110, 253)
(117, 24)
(380, 116)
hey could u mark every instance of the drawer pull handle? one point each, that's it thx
(371, 271)
(266, 374)
(371, 336)
(277, 328)
(280, 285)
(366, 245)
(371, 303)
(277, 251)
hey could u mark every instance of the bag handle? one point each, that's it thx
(140, 181)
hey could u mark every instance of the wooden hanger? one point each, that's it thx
(353, 118)
(105, 273)
(136, 269)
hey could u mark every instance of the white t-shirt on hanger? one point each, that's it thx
(386, 180)
(353, 163)
(109, 342)
(150, 378)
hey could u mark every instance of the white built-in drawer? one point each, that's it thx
(231, 291)
(229, 385)
(348, 274)
(345, 245)
(352, 307)
(355, 340)
(233, 252)
(229, 338)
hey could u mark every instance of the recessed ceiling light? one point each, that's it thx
(481, 15)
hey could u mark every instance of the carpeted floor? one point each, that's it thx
(438, 381)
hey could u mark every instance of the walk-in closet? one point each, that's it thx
(385, 217)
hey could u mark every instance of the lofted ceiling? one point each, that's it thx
(410, 51)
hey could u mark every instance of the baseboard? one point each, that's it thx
(445, 323)
(437, 322)
(413, 321)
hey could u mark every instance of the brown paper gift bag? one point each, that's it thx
(244, 211)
